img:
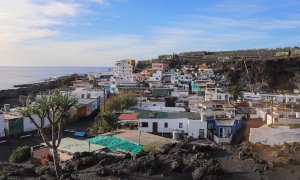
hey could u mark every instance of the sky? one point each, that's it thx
(100, 32)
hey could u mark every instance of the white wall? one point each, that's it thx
(29, 126)
(179, 93)
(194, 126)
(173, 124)
(123, 70)
(211, 96)
(261, 113)
(222, 140)
(191, 127)
(283, 121)
(151, 104)
(2, 132)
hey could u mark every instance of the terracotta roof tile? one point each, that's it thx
(131, 116)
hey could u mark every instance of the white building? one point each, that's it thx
(15, 123)
(123, 70)
(157, 76)
(277, 98)
(175, 78)
(250, 96)
(261, 113)
(274, 136)
(117, 83)
(216, 96)
(159, 103)
(180, 93)
(2, 132)
(185, 78)
(29, 126)
(284, 118)
(162, 122)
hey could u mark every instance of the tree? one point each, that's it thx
(54, 107)
(236, 92)
(121, 102)
(67, 81)
(104, 123)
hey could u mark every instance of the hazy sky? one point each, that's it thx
(99, 32)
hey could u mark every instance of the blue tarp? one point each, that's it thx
(79, 134)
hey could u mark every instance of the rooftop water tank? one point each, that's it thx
(6, 107)
(298, 115)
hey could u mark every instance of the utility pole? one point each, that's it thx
(140, 137)
(104, 99)
(272, 110)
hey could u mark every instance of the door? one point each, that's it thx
(16, 126)
(210, 135)
(154, 127)
(201, 134)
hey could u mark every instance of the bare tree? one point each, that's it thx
(54, 107)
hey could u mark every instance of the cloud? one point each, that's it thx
(25, 19)
(99, 1)
(33, 33)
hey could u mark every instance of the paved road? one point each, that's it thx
(7, 148)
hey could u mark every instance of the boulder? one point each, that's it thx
(177, 164)
(198, 173)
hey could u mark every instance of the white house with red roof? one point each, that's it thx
(128, 117)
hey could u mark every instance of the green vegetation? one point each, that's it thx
(54, 107)
(120, 102)
(19, 155)
(104, 123)
(236, 92)
(149, 148)
(67, 81)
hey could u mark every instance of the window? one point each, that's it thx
(219, 96)
(166, 125)
(143, 124)
(154, 104)
(180, 125)
(221, 132)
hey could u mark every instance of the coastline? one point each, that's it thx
(11, 76)
(11, 96)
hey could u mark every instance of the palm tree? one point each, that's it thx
(236, 92)
(54, 107)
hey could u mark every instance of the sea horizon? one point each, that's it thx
(16, 75)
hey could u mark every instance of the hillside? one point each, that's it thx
(269, 69)
(265, 76)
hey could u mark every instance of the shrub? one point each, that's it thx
(19, 155)
(149, 148)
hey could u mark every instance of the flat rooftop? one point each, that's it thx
(143, 138)
(71, 145)
(274, 136)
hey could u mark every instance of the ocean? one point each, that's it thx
(10, 75)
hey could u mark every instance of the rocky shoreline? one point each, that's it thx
(32, 88)
(183, 160)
